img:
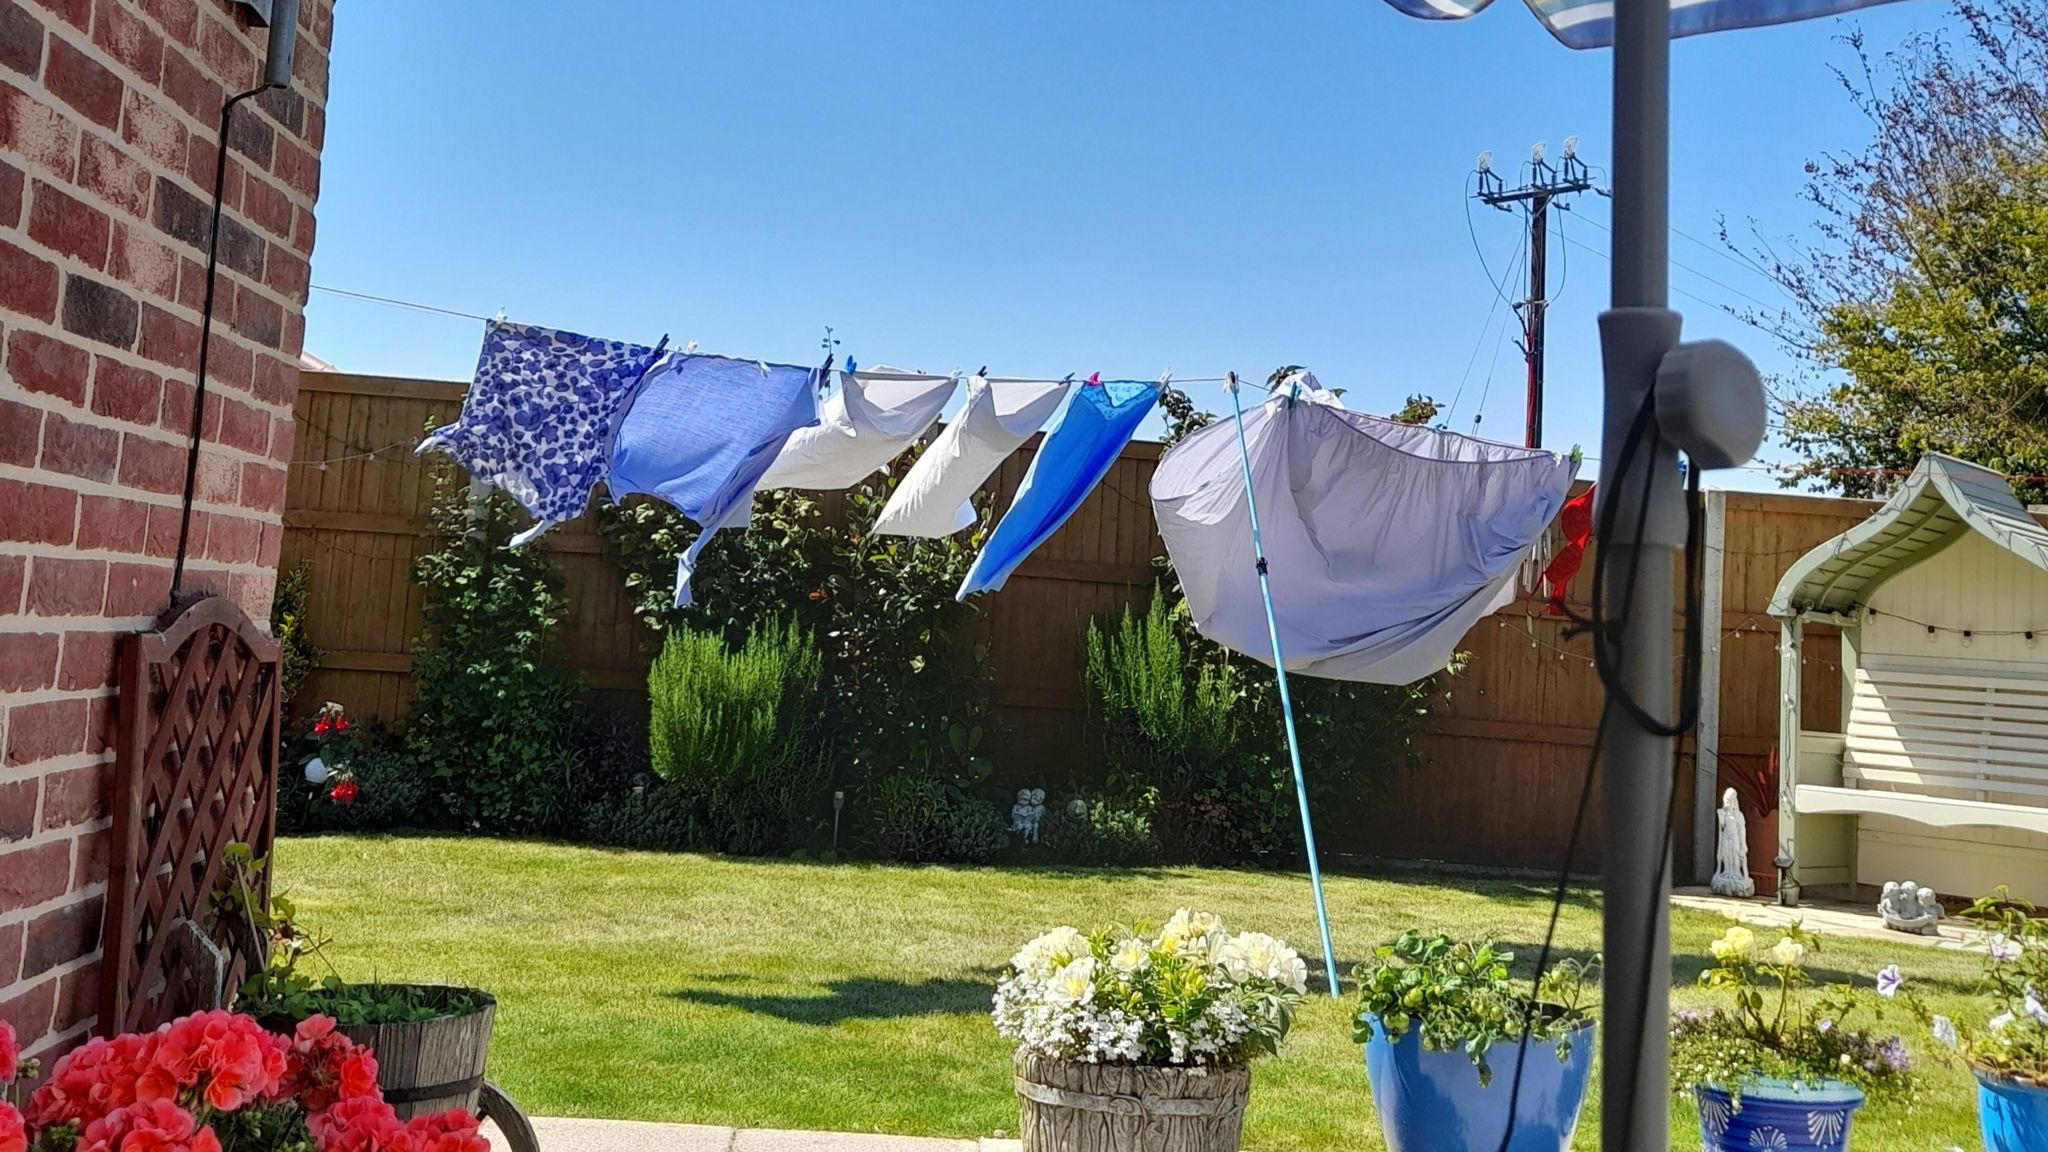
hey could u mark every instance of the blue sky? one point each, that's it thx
(1041, 186)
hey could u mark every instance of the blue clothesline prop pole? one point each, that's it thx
(1308, 831)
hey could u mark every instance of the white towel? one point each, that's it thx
(867, 423)
(935, 497)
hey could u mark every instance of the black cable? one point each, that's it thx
(220, 176)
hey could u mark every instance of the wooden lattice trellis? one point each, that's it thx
(196, 770)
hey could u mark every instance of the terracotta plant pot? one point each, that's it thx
(1067, 1106)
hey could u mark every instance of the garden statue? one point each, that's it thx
(1027, 812)
(1731, 850)
(1907, 907)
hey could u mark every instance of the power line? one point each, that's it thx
(397, 303)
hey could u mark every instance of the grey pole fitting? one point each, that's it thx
(1710, 402)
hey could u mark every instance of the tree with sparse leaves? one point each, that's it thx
(1919, 311)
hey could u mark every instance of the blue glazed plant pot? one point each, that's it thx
(1433, 1102)
(2013, 1116)
(1778, 1116)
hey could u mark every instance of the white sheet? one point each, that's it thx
(1384, 542)
(935, 496)
(868, 422)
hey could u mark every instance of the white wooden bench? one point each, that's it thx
(1944, 748)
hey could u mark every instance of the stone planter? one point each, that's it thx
(1068, 1106)
(1776, 1114)
(1422, 1095)
(2012, 1116)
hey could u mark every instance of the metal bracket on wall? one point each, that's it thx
(259, 10)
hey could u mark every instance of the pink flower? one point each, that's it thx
(359, 1124)
(10, 1053)
(148, 1126)
(13, 1132)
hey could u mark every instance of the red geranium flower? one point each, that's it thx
(343, 792)
(13, 1132)
(10, 1053)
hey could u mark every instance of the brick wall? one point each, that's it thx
(109, 111)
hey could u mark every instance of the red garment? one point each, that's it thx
(1576, 522)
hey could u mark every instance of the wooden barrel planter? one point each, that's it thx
(428, 1066)
(1072, 1107)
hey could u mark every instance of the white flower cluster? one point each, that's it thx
(1190, 994)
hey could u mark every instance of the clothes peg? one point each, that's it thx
(690, 348)
(1165, 379)
(1230, 381)
(762, 365)
(849, 366)
(982, 372)
(1095, 380)
(1578, 455)
(499, 317)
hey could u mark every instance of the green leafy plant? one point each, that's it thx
(919, 819)
(1100, 833)
(733, 731)
(492, 718)
(1463, 998)
(296, 655)
(2012, 1044)
(1777, 1024)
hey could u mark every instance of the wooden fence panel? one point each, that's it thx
(1502, 755)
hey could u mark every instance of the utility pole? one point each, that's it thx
(1543, 183)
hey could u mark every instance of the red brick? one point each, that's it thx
(276, 379)
(263, 487)
(44, 731)
(28, 661)
(273, 544)
(192, 89)
(152, 129)
(78, 997)
(13, 578)
(77, 13)
(99, 724)
(115, 176)
(287, 274)
(36, 513)
(89, 862)
(83, 450)
(88, 661)
(10, 952)
(68, 225)
(298, 168)
(267, 206)
(253, 591)
(18, 802)
(138, 260)
(177, 415)
(200, 163)
(99, 311)
(79, 795)
(227, 55)
(64, 935)
(21, 437)
(178, 18)
(230, 364)
(315, 134)
(129, 39)
(30, 1011)
(112, 524)
(37, 875)
(28, 283)
(37, 132)
(282, 434)
(162, 535)
(152, 465)
(141, 589)
(126, 392)
(13, 190)
(21, 44)
(233, 539)
(47, 364)
(304, 229)
(191, 284)
(244, 427)
(218, 480)
(84, 83)
(168, 340)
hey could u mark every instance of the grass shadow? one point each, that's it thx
(858, 998)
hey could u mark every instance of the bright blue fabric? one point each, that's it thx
(1075, 455)
(699, 433)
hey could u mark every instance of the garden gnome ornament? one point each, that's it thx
(1731, 850)
(1020, 814)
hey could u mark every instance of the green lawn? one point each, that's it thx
(854, 996)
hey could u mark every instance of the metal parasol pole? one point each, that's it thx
(1308, 831)
(1635, 334)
